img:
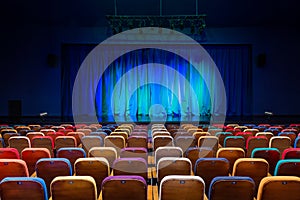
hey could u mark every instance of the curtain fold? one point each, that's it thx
(130, 71)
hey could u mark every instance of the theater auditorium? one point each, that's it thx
(149, 100)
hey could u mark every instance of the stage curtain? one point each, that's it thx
(233, 62)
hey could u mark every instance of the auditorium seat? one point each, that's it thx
(232, 188)
(115, 141)
(288, 167)
(19, 142)
(134, 152)
(178, 187)
(73, 187)
(72, 154)
(209, 168)
(280, 142)
(23, 188)
(131, 166)
(100, 134)
(89, 142)
(231, 154)
(98, 168)
(255, 168)
(77, 136)
(279, 188)
(85, 131)
(173, 166)
(291, 135)
(6, 137)
(120, 133)
(31, 135)
(194, 153)
(271, 155)
(65, 141)
(13, 168)
(209, 142)
(49, 168)
(124, 188)
(137, 141)
(54, 135)
(255, 142)
(32, 155)
(221, 137)
(184, 142)
(9, 153)
(161, 152)
(161, 141)
(268, 135)
(43, 142)
(291, 153)
(234, 141)
(110, 153)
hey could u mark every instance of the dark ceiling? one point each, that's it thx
(89, 13)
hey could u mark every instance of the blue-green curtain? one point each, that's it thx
(233, 62)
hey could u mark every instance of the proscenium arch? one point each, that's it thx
(93, 67)
(153, 80)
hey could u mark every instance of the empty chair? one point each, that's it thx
(120, 133)
(23, 188)
(278, 188)
(73, 187)
(109, 153)
(77, 136)
(288, 167)
(43, 142)
(101, 134)
(291, 153)
(31, 135)
(98, 168)
(124, 188)
(115, 141)
(209, 168)
(291, 135)
(255, 168)
(49, 168)
(234, 141)
(6, 137)
(161, 141)
(178, 187)
(134, 152)
(221, 137)
(280, 142)
(131, 166)
(47, 130)
(194, 153)
(271, 155)
(231, 187)
(231, 154)
(137, 141)
(245, 135)
(167, 152)
(185, 142)
(32, 155)
(256, 142)
(13, 168)
(86, 131)
(173, 166)
(9, 153)
(54, 135)
(65, 141)
(209, 142)
(268, 135)
(19, 142)
(251, 130)
(89, 142)
(71, 153)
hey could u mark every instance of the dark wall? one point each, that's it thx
(26, 75)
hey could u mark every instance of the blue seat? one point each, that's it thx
(23, 188)
(232, 187)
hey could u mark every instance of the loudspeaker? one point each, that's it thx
(261, 60)
(52, 60)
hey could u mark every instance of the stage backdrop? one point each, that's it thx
(233, 62)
